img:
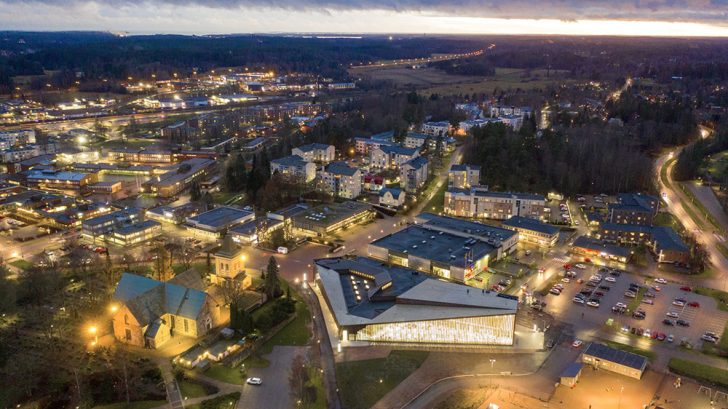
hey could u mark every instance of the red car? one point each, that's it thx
(694, 304)
(686, 288)
(567, 266)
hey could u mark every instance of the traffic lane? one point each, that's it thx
(274, 392)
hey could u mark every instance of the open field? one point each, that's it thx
(432, 80)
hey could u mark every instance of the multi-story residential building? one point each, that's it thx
(9, 139)
(513, 121)
(365, 145)
(480, 203)
(666, 245)
(417, 140)
(463, 176)
(316, 152)
(413, 174)
(467, 125)
(341, 180)
(294, 167)
(472, 110)
(18, 154)
(391, 156)
(503, 110)
(441, 128)
(633, 208)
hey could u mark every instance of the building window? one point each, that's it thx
(186, 325)
(127, 335)
(126, 319)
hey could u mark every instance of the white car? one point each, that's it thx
(610, 279)
(621, 305)
(673, 314)
(593, 304)
(577, 343)
(254, 381)
(580, 266)
(565, 280)
(661, 280)
(578, 300)
(678, 303)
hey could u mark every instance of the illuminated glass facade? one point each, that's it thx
(491, 330)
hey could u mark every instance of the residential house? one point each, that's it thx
(391, 197)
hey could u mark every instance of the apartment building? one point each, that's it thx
(341, 180)
(478, 202)
(316, 152)
(391, 156)
(413, 174)
(294, 167)
(463, 176)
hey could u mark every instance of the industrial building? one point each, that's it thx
(371, 301)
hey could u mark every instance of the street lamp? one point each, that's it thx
(95, 333)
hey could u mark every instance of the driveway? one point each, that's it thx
(274, 393)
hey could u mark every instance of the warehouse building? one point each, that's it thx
(371, 301)
(624, 363)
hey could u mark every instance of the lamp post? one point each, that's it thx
(94, 331)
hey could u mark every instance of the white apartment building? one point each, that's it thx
(391, 157)
(316, 152)
(441, 128)
(413, 174)
(341, 180)
(294, 167)
(463, 176)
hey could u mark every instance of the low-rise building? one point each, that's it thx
(391, 197)
(59, 180)
(136, 233)
(666, 245)
(533, 231)
(102, 226)
(179, 177)
(230, 266)
(294, 167)
(624, 363)
(478, 202)
(316, 152)
(373, 301)
(591, 247)
(414, 173)
(466, 126)
(341, 180)
(463, 176)
(504, 240)
(19, 153)
(326, 219)
(214, 223)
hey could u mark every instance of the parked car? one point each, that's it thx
(670, 338)
(660, 280)
(605, 287)
(669, 322)
(673, 314)
(578, 300)
(593, 303)
(686, 288)
(683, 323)
(678, 303)
(630, 294)
(610, 279)
(694, 304)
(708, 338)
(577, 343)
(580, 266)
(254, 381)
(648, 301)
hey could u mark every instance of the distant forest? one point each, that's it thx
(103, 55)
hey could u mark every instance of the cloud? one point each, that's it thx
(712, 11)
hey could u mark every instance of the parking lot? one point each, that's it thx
(700, 318)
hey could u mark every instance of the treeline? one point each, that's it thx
(570, 161)
(691, 158)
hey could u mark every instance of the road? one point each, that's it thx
(676, 202)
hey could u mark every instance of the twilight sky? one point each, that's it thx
(605, 17)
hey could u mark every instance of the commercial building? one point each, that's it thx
(174, 215)
(463, 176)
(391, 156)
(149, 312)
(441, 128)
(102, 227)
(371, 301)
(179, 177)
(316, 152)
(59, 180)
(624, 363)
(323, 220)
(478, 202)
(341, 180)
(413, 174)
(592, 247)
(533, 231)
(214, 223)
(136, 233)
(391, 197)
(136, 155)
(664, 242)
(294, 167)
(504, 240)
(633, 208)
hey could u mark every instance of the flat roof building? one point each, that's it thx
(533, 231)
(371, 301)
(597, 248)
(504, 240)
(326, 219)
(213, 223)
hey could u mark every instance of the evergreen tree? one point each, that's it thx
(272, 286)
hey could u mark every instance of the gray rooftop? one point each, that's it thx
(341, 168)
(362, 291)
(467, 227)
(435, 245)
(219, 217)
(617, 356)
(531, 224)
(292, 160)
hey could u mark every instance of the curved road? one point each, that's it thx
(676, 202)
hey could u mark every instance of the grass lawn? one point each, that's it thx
(363, 383)
(666, 219)
(297, 332)
(436, 204)
(221, 402)
(635, 303)
(699, 372)
(721, 297)
(505, 78)
(628, 348)
(225, 374)
(316, 380)
(256, 361)
(21, 264)
(192, 389)
(699, 207)
(142, 404)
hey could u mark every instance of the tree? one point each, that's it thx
(195, 193)
(8, 292)
(272, 285)
(278, 238)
